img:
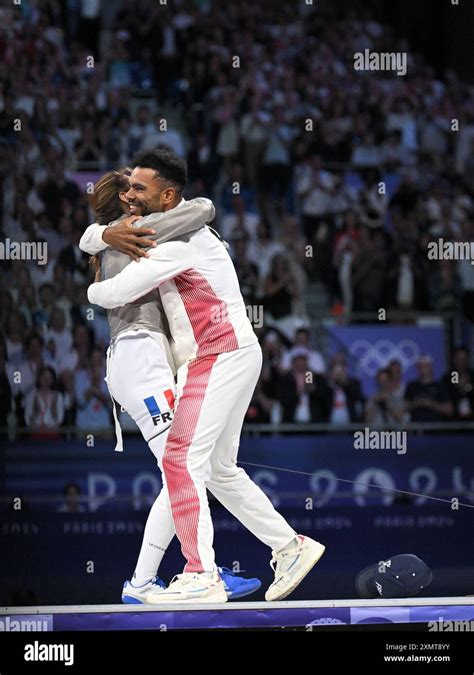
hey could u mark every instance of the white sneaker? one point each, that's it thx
(190, 587)
(292, 566)
(135, 595)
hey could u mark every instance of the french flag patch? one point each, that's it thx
(152, 404)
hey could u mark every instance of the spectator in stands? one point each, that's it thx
(82, 341)
(396, 373)
(347, 401)
(92, 396)
(247, 270)
(461, 363)
(368, 272)
(44, 406)
(305, 397)
(46, 305)
(313, 186)
(14, 337)
(296, 247)
(294, 389)
(239, 201)
(88, 150)
(143, 125)
(301, 343)
(22, 278)
(226, 126)
(261, 406)
(276, 170)
(24, 375)
(58, 192)
(426, 399)
(344, 252)
(29, 305)
(202, 163)
(280, 288)
(254, 132)
(463, 397)
(72, 500)
(445, 287)
(58, 334)
(164, 134)
(406, 282)
(73, 260)
(460, 382)
(367, 153)
(385, 408)
(46, 232)
(273, 346)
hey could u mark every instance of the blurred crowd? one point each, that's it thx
(324, 178)
(298, 386)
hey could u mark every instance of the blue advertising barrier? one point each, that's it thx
(305, 471)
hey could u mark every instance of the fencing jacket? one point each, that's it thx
(199, 290)
(147, 311)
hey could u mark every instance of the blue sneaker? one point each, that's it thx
(235, 586)
(135, 595)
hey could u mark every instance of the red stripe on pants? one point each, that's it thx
(184, 498)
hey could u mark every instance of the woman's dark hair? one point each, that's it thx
(105, 200)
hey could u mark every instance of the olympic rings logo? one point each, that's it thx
(371, 357)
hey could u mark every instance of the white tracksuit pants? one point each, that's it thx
(140, 380)
(213, 395)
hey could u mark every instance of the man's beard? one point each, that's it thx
(142, 209)
(137, 209)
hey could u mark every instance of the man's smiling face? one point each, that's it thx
(147, 193)
(126, 206)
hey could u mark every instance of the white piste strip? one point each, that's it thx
(232, 606)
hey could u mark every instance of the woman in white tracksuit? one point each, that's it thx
(140, 365)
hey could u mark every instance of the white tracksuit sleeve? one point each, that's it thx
(91, 241)
(140, 277)
(188, 216)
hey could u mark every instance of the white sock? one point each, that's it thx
(157, 536)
